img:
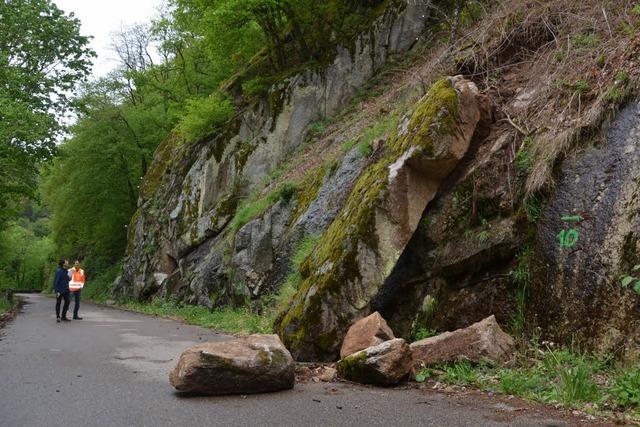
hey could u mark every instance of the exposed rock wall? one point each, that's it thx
(587, 238)
(363, 244)
(178, 240)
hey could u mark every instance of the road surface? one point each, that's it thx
(111, 369)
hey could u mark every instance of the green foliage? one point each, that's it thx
(423, 374)
(255, 206)
(523, 156)
(318, 128)
(348, 145)
(586, 41)
(546, 375)
(532, 208)
(632, 278)
(26, 251)
(483, 236)
(528, 384)
(365, 149)
(581, 86)
(625, 390)
(304, 249)
(5, 305)
(521, 276)
(256, 86)
(574, 377)
(460, 373)
(38, 68)
(288, 289)
(422, 333)
(98, 287)
(421, 326)
(203, 116)
(622, 77)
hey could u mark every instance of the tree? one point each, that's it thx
(42, 57)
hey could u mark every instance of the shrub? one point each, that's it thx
(255, 86)
(203, 116)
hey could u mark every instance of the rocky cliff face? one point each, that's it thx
(587, 239)
(447, 218)
(360, 249)
(179, 242)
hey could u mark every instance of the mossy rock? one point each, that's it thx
(350, 262)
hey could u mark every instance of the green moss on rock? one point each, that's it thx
(352, 367)
(308, 191)
(131, 230)
(333, 265)
(434, 116)
(164, 156)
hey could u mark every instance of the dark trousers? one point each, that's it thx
(76, 306)
(59, 298)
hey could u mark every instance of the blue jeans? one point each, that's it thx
(76, 306)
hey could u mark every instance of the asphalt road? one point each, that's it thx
(111, 369)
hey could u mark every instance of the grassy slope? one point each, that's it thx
(561, 377)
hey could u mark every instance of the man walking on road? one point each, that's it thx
(77, 279)
(61, 288)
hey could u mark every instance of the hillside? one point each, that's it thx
(441, 166)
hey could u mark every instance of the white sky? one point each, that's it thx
(101, 18)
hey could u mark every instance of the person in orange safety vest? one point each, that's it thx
(77, 278)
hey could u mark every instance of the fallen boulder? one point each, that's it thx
(253, 364)
(385, 364)
(483, 340)
(367, 332)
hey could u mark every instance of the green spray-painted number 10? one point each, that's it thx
(568, 238)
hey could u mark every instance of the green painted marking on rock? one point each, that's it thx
(568, 238)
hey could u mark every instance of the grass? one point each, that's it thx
(288, 289)
(254, 206)
(625, 390)
(237, 321)
(563, 377)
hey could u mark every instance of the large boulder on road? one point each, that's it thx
(384, 364)
(252, 364)
(367, 332)
(481, 341)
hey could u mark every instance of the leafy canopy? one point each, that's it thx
(42, 57)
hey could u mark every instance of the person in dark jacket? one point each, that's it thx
(61, 288)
